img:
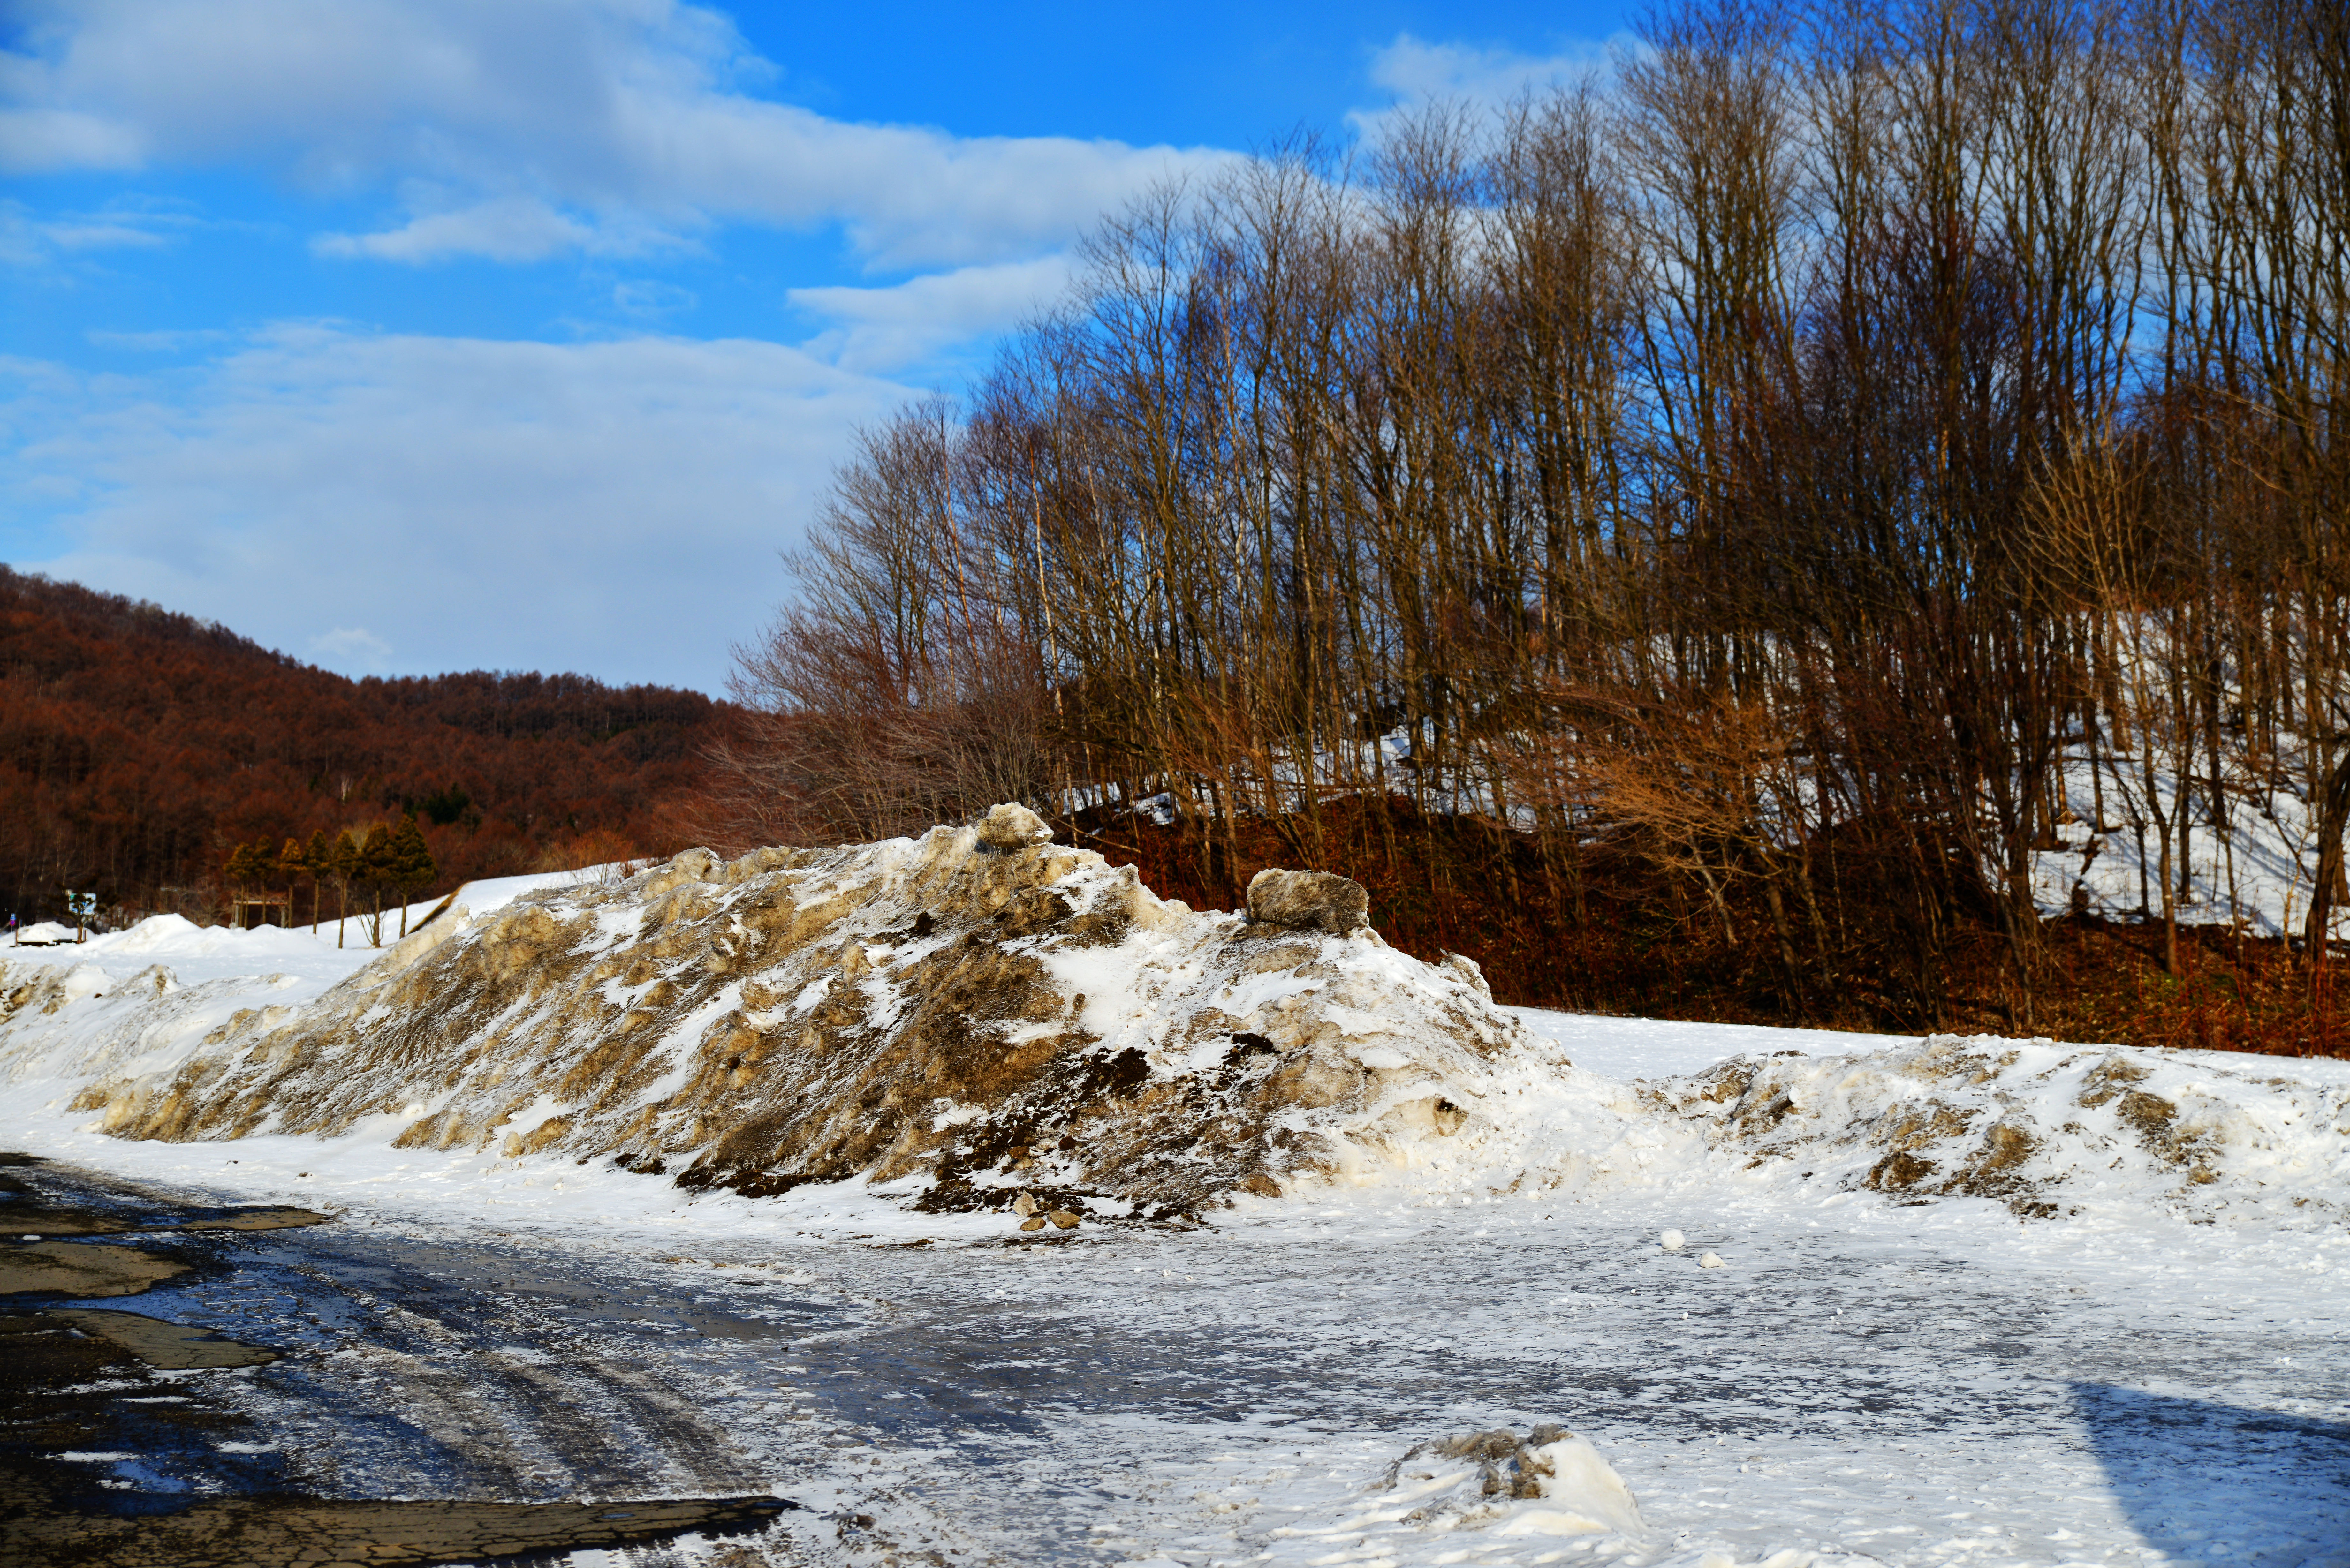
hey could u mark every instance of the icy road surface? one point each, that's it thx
(1930, 1385)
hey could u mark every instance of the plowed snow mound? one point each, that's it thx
(979, 1013)
(2039, 1125)
(969, 1017)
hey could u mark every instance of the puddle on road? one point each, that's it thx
(128, 1438)
(87, 1204)
(165, 1346)
(81, 1269)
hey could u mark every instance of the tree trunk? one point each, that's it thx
(2332, 812)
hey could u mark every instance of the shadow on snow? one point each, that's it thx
(2206, 1481)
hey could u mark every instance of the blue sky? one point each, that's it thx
(522, 334)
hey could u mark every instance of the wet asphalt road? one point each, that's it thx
(376, 1404)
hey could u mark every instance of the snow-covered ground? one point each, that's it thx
(2160, 1376)
(197, 953)
(2258, 872)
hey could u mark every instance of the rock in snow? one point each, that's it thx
(1312, 901)
(1011, 827)
(1672, 1241)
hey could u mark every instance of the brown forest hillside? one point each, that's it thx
(138, 747)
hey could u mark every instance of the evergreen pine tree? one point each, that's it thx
(378, 868)
(293, 864)
(318, 855)
(343, 865)
(412, 863)
(247, 864)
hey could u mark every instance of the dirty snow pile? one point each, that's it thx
(2040, 1127)
(977, 1014)
(1773, 1279)
(980, 1020)
(2046, 1129)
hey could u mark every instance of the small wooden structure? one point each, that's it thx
(249, 913)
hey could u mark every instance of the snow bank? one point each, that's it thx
(955, 1021)
(2040, 1127)
(80, 1024)
(971, 1015)
(210, 951)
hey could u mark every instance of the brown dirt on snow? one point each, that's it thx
(881, 1011)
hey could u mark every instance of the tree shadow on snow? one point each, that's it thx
(2209, 1482)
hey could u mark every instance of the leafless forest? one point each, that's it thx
(1776, 482)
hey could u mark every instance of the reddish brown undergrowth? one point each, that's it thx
(1634, 943)
(2229, 993)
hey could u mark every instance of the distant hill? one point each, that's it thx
(138, 747)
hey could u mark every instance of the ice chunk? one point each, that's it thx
(1580, 1494)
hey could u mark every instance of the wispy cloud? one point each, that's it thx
(881, 330)
(461, 503)
(159, 342)
(509, 229)
(1415, 72)
(28, 239)
(348, 645)
(517, 130)
(648, 298)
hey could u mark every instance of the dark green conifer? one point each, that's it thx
(318, 855)
(379, 868)
(412, 863)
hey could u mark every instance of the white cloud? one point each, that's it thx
(1415, 72)
(515, 128)
(28, 241)
(612, 507)
(36, 140)
(889, 329)
(349, 644)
